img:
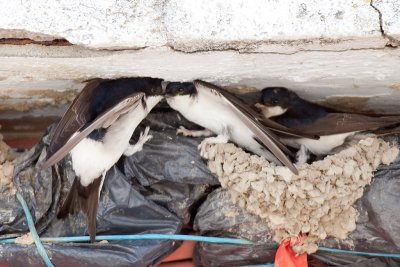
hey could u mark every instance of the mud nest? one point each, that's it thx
(314, 204)
(6, 169)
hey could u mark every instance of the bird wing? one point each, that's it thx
(336, 123)
(72, 126)
(77, 115)
(262, 133)
(270, 124)
(285, 131)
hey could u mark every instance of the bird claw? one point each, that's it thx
(143, 138)
(220, 139)
(185, 132)
(202, 147)
(302, 155)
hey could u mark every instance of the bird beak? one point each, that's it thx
(259, 106)
(164, 86)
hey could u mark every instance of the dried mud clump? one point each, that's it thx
(26, 239)
(6, 169)
(316, 203)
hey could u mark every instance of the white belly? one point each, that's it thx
(211, 112)
(323, 146)
(90, 158)
(208, 111)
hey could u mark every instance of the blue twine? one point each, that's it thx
(219, 240)
(373, 254)
(208, 239)
(32, 229)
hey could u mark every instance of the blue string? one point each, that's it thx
(32, 229)
(219, 240)
(334, 250)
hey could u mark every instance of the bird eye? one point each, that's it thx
(180, 90)
(153, 90)
(274, 101)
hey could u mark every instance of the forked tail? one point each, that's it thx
(83, 198)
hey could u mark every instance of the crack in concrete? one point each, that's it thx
(240, 51)
(24, 41)
(391, 41)
(243, 52)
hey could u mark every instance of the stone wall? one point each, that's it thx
(323, 49)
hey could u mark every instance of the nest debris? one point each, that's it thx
(7, 163)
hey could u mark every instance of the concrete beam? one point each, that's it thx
(315, 74)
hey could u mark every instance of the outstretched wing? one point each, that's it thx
(262, 133)
(104, 120)
(77, 115)
(336, 123)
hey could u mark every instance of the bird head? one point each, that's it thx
(275, 101)
(277, 96)
(155, 89)
(178, 88)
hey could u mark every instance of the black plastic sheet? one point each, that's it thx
(167, 189)
(155, 196)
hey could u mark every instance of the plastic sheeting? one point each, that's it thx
(153, 191)
(167, 189)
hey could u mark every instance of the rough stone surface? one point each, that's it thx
(390, 11)
(199, 25)
(263, 25)
(112, 24)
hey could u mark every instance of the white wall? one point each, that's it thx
(319, 48)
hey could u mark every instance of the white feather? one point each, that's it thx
(210, 111)
(323, 146)
(90, 158)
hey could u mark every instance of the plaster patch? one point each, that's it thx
(27, 100)
(395, 86)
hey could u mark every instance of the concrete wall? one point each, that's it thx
(323, 49)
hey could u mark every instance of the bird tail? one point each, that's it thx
(83, 198)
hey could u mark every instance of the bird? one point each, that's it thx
(334, 127)
(223, 114)
(95, 131)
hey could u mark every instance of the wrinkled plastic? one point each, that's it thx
(182, 179)
(157, 195)
(167, 188)
(378, 229)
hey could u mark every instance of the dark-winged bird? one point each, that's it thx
(334, 127)
(96, 130)
(222, 113)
